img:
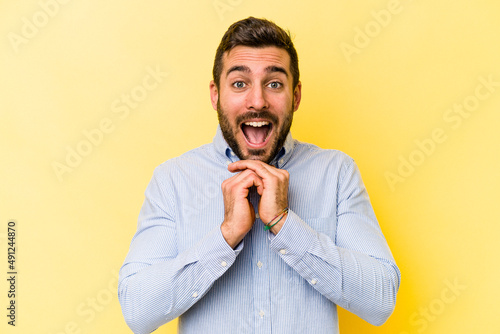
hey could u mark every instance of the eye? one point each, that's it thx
(275, 85)
(239, 84)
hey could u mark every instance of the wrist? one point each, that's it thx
(276, 223)
(276, 228)
(232, 238)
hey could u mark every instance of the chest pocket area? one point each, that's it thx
(326, 226)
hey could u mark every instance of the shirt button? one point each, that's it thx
(281, 161)
(223, 263)
(283, 251)
(262, 314)
(259, 264)
(313, 281)
(195, 294)
(257, 216)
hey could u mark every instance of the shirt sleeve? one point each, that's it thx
(157, 283)
(356, 270)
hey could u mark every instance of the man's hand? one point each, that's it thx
(272, 186)
(239, 214)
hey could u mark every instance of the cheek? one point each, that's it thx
(282, 101)
(232, 105)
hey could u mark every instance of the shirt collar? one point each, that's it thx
(226, 154)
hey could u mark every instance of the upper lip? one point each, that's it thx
(256, 120)
(257, 124)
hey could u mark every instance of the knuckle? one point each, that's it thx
(246, 174)
(284, 176)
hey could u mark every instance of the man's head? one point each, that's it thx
(256, 87)
(256, 33)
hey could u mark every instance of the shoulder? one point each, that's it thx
(313, 154)
(185, 163)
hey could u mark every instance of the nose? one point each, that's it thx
(256, 99)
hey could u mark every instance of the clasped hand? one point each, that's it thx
(239, 215)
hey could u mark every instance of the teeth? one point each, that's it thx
(257, 124)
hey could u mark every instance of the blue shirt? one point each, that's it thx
(330, 250)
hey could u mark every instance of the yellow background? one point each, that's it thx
(392, 89)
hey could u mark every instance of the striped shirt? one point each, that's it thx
(330, 250)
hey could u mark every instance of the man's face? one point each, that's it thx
(255, 101)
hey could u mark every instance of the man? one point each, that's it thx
(256, 232)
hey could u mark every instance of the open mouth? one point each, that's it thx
(257, 134)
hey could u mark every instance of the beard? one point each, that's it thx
(229, 133)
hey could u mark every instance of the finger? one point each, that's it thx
(245, 164)
(246, 179)
(252, 179)
(262, 169)
(265, 171)
(240, 175)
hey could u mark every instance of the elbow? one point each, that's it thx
(384, 314)
(141, 313)
(388, 302)
(127, 310)
(377, 315)
(386, 298)
(380, 314)
(134, 326)
(136, 323)
(134, 320)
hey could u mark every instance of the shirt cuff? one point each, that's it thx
(293, 240)
(214, 253)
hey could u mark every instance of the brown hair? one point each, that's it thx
(256, 33)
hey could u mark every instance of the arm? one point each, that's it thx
(356, 270)
(157, 284)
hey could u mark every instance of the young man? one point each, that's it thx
(286, 231)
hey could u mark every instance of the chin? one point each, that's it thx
(261, 155)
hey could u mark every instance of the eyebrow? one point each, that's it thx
(246, 69)
(238, 68)
(271, 69)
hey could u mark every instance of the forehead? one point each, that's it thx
(256, 58)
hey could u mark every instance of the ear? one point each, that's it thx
(297, 95)
(214, 94)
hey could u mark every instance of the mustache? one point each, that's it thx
(257, 114)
